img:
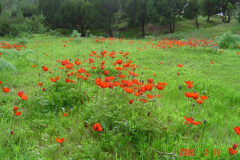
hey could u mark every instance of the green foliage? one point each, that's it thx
(0, 7)
(64, 31)
(129, 130)
(7, 66)
(226, 40)
(171, 12)
(209, 8)
(14, 26)
(226, 9)
(22, 40)
(77, 36)
(140, 13)
(191, 11)
(54, 32)
(58, 96)
(49, 9)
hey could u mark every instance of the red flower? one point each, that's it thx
(103, 84)
(0, 82)
(129, 90)
(149, 86)
(93, 67)
(195, 95)
(45, 68)
(107, 79)
(180, 65)
(150, 96)
(60, 140)
(24, 97)
(138, 93)
(106, 72)
(20, 93)
(188, 82)
(212, 62)
(40, 84)
(232, 151)
(235, 146)
(15, 108)
(159, 87)
(188, 94)
(6, 90)
(203, 97)
(130, 101)
(33, 66)
(111, 85)
(121, 76)
(190, 86)
(17, 113)
(237, 130)
(150, 80)
(97, 127)
(65, 114)
(199, 101)
(191, 121)
(77, 62)
(67, 80)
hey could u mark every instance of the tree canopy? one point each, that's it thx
(107, 15)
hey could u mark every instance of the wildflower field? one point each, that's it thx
(109, 98)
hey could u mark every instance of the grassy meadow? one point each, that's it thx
(118, 83)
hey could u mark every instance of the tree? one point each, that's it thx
(140, 12)
(226, 8)
(106, 10)
(209, 8)
(75, 14)
(49, 9)
(0, 7)
(191, 11)
(171, 12)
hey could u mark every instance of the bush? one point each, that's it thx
(54, 33)
(64, 31)
(77, 36)
(227, 40)
(5, 65)
(22, 40)
(14, 25)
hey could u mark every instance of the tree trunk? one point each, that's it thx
(143, 31)
(229, 18)
(172, 27)
(82, 30)
(197, 21)
(110, 21)
(208, 19)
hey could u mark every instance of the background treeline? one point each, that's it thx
(28, 16)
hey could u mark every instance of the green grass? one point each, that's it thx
(129, 130)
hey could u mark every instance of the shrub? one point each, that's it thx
(5, 65)
(14, 25)
(64, 31)
(58, 96)
(54, 32)
(22, 40)
(227, 40)
(77, 36)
